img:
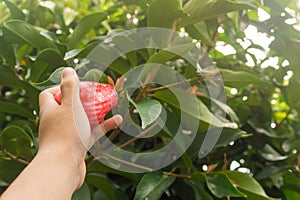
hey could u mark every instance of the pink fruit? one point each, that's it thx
(97, 100)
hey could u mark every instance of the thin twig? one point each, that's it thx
(15, 157)
(125, 144)
(127, 163)
(173, 84)
(177, 175)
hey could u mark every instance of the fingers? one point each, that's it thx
(100, 130)
(69, 86)
(47, 96)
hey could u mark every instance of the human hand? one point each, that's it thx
(65, 129)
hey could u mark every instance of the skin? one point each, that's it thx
(65, 135)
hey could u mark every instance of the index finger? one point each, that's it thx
(47, 96)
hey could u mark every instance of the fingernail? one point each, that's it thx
(68, 71)
(118, 119)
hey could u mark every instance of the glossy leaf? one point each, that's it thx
(16, 109)
(149, 110)
(82, 193)
(16, 13)
(187, 107)
(46, 61)
(84, 26)
(9, 79)
(159, 16)
(209, 9)
(229, 135)
(248, 185)
(22, 32)
(53, 80)
(95, 75)
(220, 185)
(105, 185)
(152, 186)
(17, 142)
(238, 79)
(10, 169)
(7, 52)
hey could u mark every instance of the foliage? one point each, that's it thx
(257, 154)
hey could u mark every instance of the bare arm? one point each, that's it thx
(58, 169)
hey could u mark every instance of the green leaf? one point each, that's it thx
(228, 135)
(199, 31)
(162, 13)
(7, 52)
(124, 43)
(84, 25)
(291, 91)
(240, 79)
(187, 105)
(248, 185)
(153, 185)
(106, 185)
(82, 193)
(187, 189)
(188, 162)
(269, 153)
(16, 109)
(16, 13)
(9, 169)
(149, 110)
(16, 141)
(53, 80)
(97, 166)
(172, 52)
(46, 61)
(220, 185)
(69, 15)
(209, 9)
(22, 32)
(95, 75)
(9, 79)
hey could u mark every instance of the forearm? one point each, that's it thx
(48, 176)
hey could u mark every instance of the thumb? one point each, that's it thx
(69, 86)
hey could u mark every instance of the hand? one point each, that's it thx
(65, 127)
(65, 136)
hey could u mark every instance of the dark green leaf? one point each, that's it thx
(16, 109)
(187, 105)
(9, 169)
(16, 13)
(149, 110)
(104, 184)
(95, 75)
(84, 26)
(239, 79)
(153, 185)
(162, 13)
(209, 9)
(53, 80)
(199, 31)
(220, 185)
(7, 52)
(269, 153)
(248, 185)
(16, 141)
(82, 193)
(46, 61)
(229, 135)
(8, 78)
(16, 31)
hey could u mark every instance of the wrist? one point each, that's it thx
(67, 162)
